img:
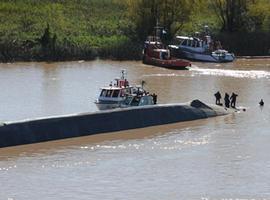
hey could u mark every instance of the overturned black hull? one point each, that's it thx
(61, 127)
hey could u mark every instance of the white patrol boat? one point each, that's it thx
(113, 95)
(121, 94)
(206, 50)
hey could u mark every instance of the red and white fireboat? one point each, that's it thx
(155, 53)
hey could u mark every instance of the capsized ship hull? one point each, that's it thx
(83, 124)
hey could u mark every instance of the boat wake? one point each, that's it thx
(254, 74)
(164, 75)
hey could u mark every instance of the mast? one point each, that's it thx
(158, 30)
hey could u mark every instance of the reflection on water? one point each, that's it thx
(217, 158)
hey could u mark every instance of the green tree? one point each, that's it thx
(233, 14)
(259, 15)
(172, 14)
(45, 38)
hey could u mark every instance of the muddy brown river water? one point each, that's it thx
(215, 159)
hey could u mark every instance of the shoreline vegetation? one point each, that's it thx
(65, 30)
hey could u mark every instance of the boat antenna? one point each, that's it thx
(206, 30)
(158, 29)
(143, 83)
(123, 74)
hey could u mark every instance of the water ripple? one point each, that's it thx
(164, 75)
(171, 141)
(254, 74)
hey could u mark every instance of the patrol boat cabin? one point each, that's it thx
(113, 95)
(205, 49)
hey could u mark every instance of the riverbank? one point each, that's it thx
(253, 57)
(122, 50)
(65, 31)
(85, 30)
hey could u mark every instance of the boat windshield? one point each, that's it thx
(116, 93)
(103, 93)
(135, 101)
(146, 100)
(128, 100)
(109, 93)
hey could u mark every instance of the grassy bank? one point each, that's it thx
(64, 30)
(86, 29)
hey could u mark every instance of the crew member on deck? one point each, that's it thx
(261, 102)
(233, 100)
(218, 97)
(154, 98)
(227, 100)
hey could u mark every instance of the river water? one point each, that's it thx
(217, 158)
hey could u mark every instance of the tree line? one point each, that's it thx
(225, 15)
(243, 26)
(86, 29)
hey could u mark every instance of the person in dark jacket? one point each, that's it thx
(261, 102)
(233, 100)
(218, 97)
(154, 98)
(227, 100)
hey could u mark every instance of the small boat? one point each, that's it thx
(121, 94)
(197, 49)
(113, 95)
(155, 53)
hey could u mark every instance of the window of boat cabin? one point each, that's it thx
(200, 44)
(144, 101)
(128, 100)
(122, 93)
(135, 101)
(185, 42)
(109, 93)
(193, 43)
(197, 42)
(103, 93)
(116, 93)
(125, 91)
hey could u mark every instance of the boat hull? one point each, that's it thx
(208, 57)
(105, 105)
(204, 57)
(83, 124)
(178, 64)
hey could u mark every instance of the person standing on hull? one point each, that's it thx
(154, 98)
(233, 100)
(218, 97)
(227, 100)
(261, 103)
